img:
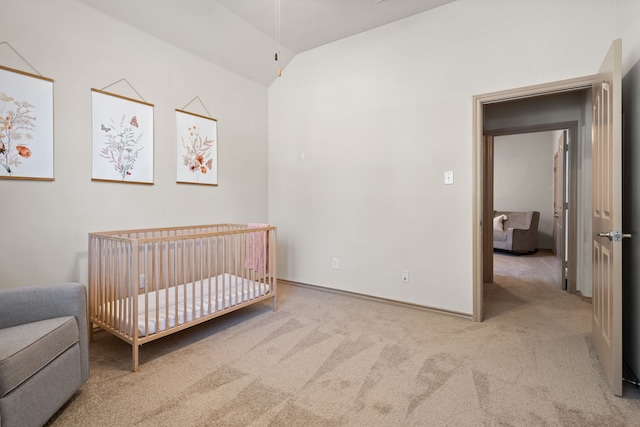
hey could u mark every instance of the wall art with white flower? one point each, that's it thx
(26, 125)
(122, 139)
(197, 150)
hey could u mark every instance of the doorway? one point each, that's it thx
(529, 166)
(603, 183)
(484, 132)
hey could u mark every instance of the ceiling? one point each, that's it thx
(239, 35)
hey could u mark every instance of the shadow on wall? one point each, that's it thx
(630, 222)
(79, 271)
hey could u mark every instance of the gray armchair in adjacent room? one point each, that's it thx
(515, 232)
(44, 351)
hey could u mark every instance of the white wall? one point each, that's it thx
(45, 224)
(380, 117)
(523, 178)
(628, 24)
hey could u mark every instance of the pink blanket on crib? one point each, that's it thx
(257, 258)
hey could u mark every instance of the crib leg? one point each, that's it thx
(134, 351)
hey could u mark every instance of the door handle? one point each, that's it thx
(616, 236)
(555, 215)
(608, 235)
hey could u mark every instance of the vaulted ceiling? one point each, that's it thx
(240, 35)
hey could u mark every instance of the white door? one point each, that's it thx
(607, 217)
(558, 201)
(560, 207)
(558, 210)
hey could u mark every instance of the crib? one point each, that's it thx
(149, 283)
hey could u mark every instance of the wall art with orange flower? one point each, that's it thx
(122, 139)
(26, 125)
(197, 152)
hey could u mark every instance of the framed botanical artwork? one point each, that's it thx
(26, 125)
(122, 139)
(197, 154)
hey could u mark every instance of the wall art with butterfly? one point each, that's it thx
(26, 125)
(122, 139)
(197, 149)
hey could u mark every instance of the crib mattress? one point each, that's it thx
(160, 311)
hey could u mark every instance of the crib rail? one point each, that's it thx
(147, 283)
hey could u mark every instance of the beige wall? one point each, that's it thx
(44, 225)
(628, 23)
(380, 117)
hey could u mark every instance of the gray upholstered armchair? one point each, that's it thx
(44, 351)
(515, 232)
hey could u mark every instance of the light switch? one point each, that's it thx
(448, 177)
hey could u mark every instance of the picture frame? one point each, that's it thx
(26, 125)
(121, 138)
(197, 149)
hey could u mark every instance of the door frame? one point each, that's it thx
(481, 191)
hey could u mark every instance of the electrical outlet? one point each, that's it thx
(405, 276)
(143, 281)
(335, 264)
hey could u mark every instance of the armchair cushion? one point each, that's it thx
(500, 236)
(28, 348)
(19, 306)
(44, 350)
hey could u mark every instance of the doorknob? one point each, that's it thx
(616, 236)
(608, 235)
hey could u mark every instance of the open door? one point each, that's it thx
(560, 207)
(558, 201)
(607, 217)
(487, 203)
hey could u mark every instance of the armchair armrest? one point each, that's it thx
(31, 304)
(524, 240)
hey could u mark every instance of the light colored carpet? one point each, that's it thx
(327, 359)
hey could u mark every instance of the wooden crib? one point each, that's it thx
(146, 284)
